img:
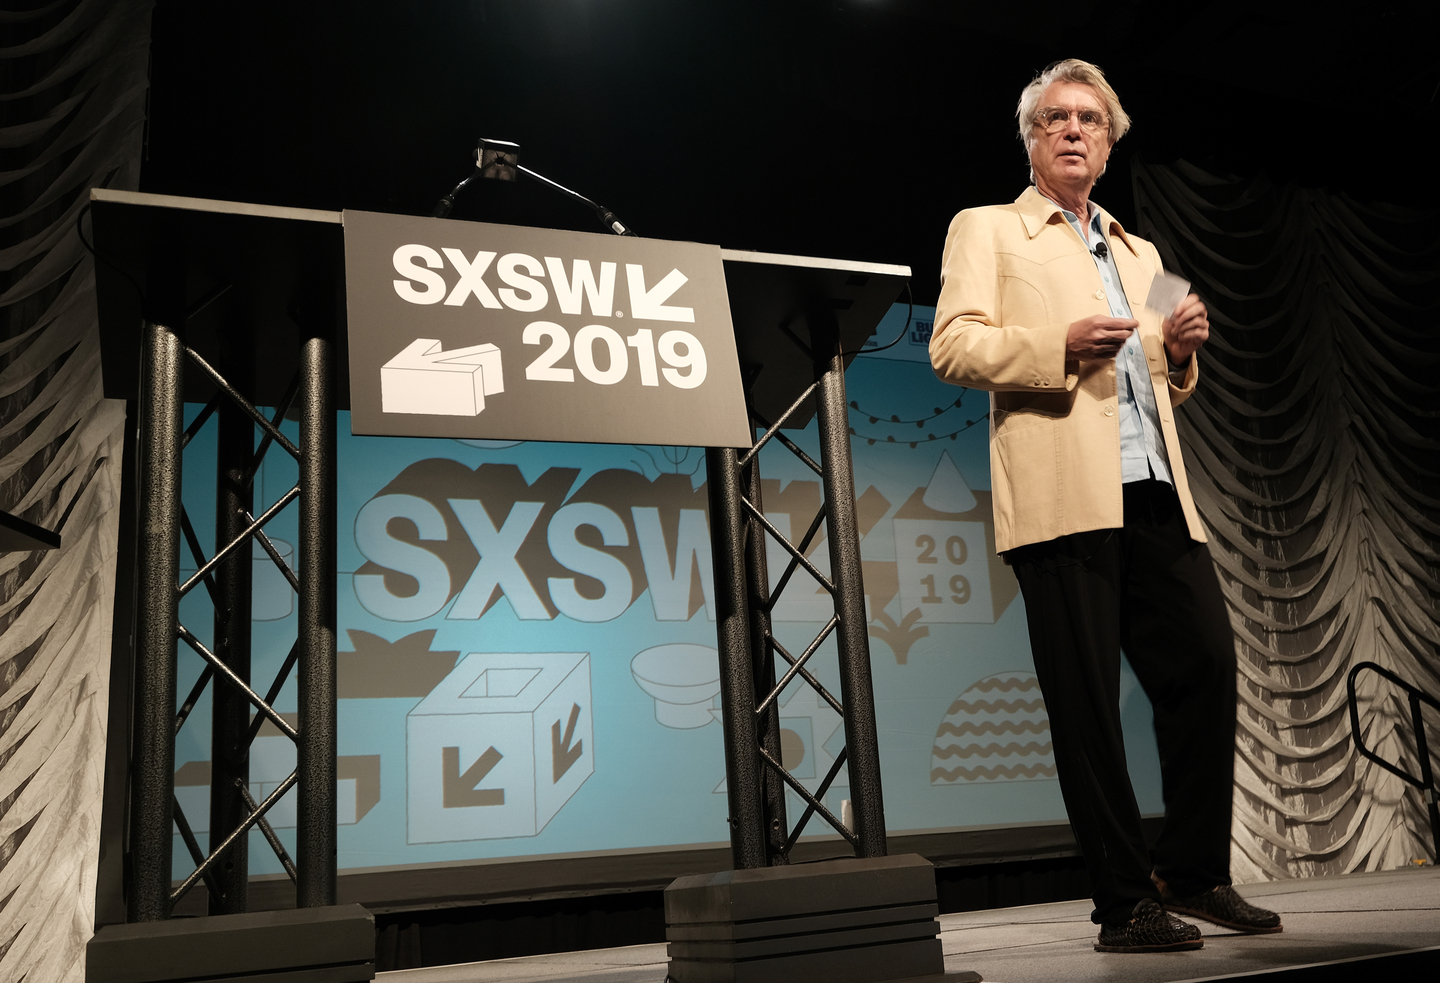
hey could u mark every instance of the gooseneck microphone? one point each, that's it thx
(500, 160)
(1101, 249)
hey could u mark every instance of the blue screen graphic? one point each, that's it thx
(528, 664)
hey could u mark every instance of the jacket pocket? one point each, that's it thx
(1026, 462)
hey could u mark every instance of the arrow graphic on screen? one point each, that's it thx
(460, 790)
(564, 755)
(422, 378)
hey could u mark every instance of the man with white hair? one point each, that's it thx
(1038, 305)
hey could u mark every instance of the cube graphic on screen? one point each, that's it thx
(499, 746)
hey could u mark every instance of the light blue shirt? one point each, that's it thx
(1142, 445)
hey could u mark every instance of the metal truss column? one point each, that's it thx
(842, 534)
(230, 721)
(316, 749)
(737, 678)
(763, 672)
(161, 430)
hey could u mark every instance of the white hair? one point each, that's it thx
(1069, 70)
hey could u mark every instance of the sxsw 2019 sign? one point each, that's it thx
(477, 331)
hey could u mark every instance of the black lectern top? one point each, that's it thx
(774, 299)
(160, 258)
(240, 282)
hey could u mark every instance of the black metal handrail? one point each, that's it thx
(1426, 782)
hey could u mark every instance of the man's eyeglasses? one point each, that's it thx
(1053, 119)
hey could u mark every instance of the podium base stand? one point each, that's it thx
(334, 944)
(838, 921)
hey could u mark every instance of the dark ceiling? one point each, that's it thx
(852, 128)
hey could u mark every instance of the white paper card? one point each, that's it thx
(1166, 292)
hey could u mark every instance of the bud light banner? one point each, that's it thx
(527, 652)
(476, 331)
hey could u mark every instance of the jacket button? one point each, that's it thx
(1109, 411)
(1100, 295)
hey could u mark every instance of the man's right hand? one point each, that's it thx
(1098, 337)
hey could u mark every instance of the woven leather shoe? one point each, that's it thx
(1150, 929)
(1225, 908)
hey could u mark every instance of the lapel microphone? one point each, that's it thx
(1101, 249)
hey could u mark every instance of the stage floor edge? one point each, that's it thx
(1327, 920)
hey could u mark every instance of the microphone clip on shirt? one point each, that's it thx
(1101, 250)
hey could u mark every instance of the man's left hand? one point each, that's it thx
(1185, 330)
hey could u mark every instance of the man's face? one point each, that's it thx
(1071, 158)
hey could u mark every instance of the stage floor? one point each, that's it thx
(1326, 919)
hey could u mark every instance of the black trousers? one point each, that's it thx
(1149, 589)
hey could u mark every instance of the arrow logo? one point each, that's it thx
(650, 304)
(562, 753)
(459, 790)
(422, 378)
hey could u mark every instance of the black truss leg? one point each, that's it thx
(737, 679)
(157, 614)
(768, 724)
(856, 690)
(230, 724)
(316, 808)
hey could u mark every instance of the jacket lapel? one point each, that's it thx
(1135, 274)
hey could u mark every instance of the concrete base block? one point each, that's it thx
(300, 945)
(841, 921)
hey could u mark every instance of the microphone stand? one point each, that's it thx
(607, 218)
(500, 160)
(443, 206)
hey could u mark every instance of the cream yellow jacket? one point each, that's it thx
(1013, 280)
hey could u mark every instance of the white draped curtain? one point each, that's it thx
(72, 108)
(1313, 455)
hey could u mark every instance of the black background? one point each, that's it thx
(847, 128)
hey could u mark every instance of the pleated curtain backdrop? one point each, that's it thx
(72, 109)
(1313, 455)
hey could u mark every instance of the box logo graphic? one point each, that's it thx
(499, 746)
(423, 378)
